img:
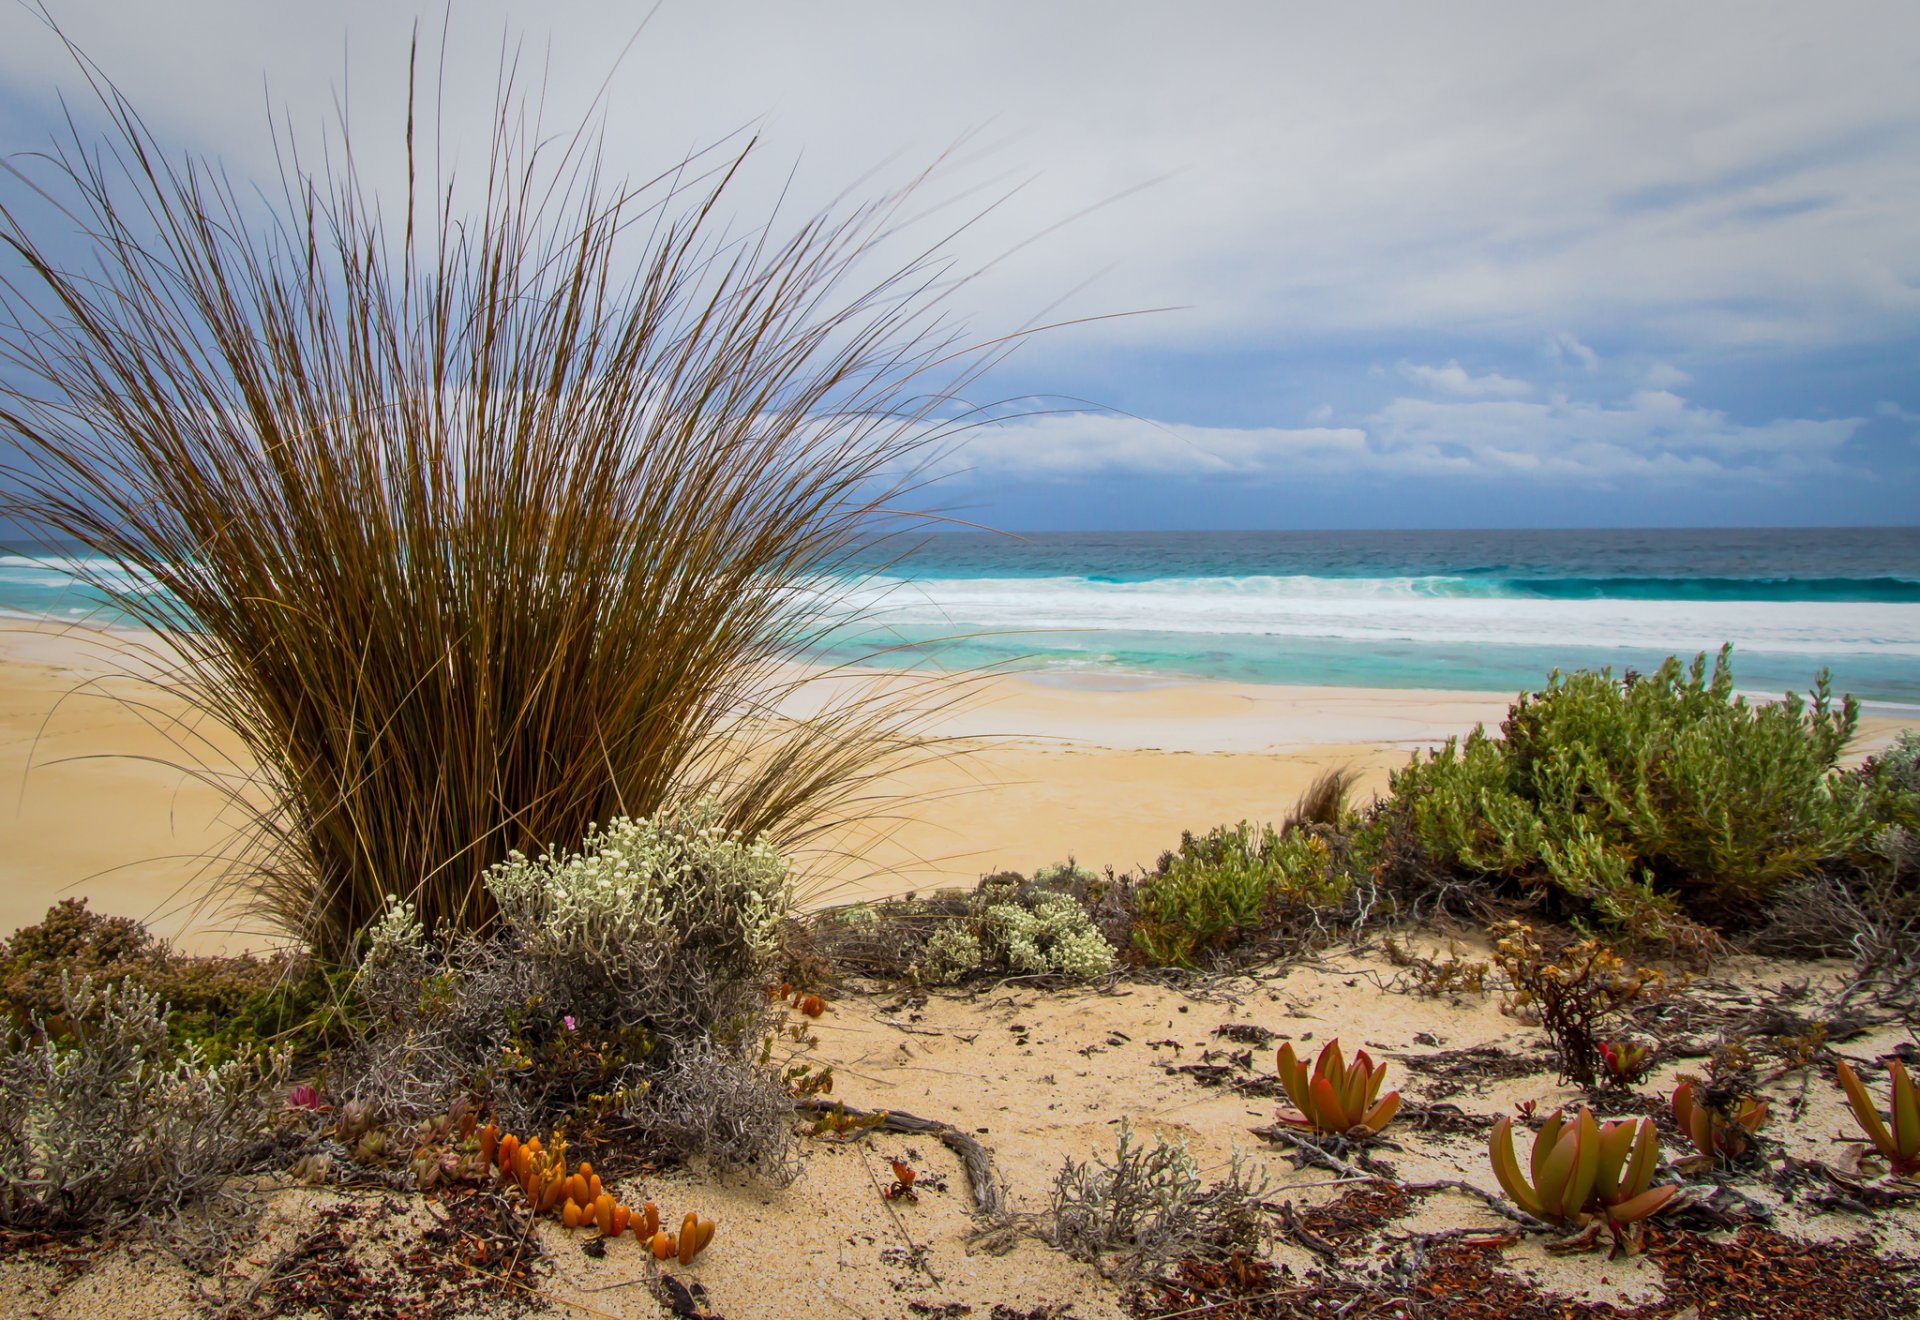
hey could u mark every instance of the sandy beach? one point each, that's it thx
(1107, 770)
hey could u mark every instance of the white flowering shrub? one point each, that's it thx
(951, 953)
(627, 976)
(1053, 936)
(686, 882)
(398, 933)
(115, 1124)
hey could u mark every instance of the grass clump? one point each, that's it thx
(480, 511)
(1653, 805)
(112, 1122)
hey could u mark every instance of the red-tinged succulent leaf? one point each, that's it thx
(1293, 1076)
(1643, 1206)
(1382, 1113)
(1905, 1113)
(1683, 1106)
(1506, 1168)
(1331, 1063)
(1586, 1164)
(1864, 1113)
(1374, 1081)
(1616, 1148)
(1544, 1142)
(1644, 1160)
(1556, 1171)
(1327, 1114)
(1353, 1094)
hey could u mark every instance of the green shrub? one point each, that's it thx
(224, 1005)
(1221, 886)
(1646, 803)
(71, 941)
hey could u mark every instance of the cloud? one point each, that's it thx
(1568, 348)
(1079, 445)
(1558, 442)
(1275, 170)
(1455, 379)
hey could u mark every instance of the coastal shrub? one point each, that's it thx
(476, 508)
(627, 977)
(224, 1005)
(1148, 1207)
(1026, 928)
(1648, 803)
(1219, 888)
(114, 1123)
(71, 941)
(1574, 991)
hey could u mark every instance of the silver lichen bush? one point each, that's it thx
(113, 1124)
(1149, 1206)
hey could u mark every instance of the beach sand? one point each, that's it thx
(1106, 770)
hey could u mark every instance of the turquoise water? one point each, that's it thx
(1488, 610)
(1491, 610)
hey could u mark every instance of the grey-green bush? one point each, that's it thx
(627, 976)
(116, 1124)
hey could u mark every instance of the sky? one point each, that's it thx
(1365, 265)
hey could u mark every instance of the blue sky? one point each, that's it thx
(1422, 265)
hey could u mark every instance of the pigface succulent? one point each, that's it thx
(1338, 1097)
(1585, 1171)
(1897, 1137)
(1718, 1134)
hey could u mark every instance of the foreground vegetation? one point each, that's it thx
(626, 982)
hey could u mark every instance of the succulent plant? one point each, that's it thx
(1717, 1133)
(1897, 1137)
(1623, 1061)
(695, 1233)
(1338, 1097)
(1585, 1171)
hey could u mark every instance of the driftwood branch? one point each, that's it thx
(975, 1159)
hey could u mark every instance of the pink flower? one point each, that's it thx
(571, 1024)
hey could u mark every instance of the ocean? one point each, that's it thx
(1464, 610)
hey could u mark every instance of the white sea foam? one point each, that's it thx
(1383, 610)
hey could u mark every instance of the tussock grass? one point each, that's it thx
(489, 525)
